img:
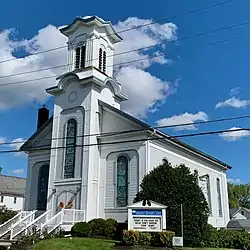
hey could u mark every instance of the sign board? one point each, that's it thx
(177, 241)
(146, 224)
(147, 218)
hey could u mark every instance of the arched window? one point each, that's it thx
(196, 175)
(102, 60)
(69, 167)
(80, 57)
(219, 197)
(209, 194)
(122, 181)
(42, 188)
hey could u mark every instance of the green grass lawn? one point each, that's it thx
(74, 244)
(86, 244)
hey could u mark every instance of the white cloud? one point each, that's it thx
(234, 135)
(233, 102)
(183, 119)
(2, 140)
(12, 145)
(235, 91)
(12, 96)
(18, 171)
(17, 143)
(237, 180)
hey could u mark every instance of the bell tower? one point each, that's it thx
(91, 44)
(75, 168)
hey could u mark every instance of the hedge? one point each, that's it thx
(96, 228)
(227, 239)
(155, 239)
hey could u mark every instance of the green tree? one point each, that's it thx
(173, 186)
(6, 214)
(239, 195)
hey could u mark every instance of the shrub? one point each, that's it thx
(97, 227)
(110, 229)
(227, 239)
(155, 239)
(130, 237)
(6, 214)
(162, 239)
(145, 239)
(120, 227)
(81, 229)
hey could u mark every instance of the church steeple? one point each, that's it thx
(91, 44)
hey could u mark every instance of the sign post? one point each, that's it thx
(150, 217)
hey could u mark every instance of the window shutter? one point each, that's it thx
(77, 58)
(100, 59)
(104, 62)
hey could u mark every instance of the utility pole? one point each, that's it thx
(182, 221)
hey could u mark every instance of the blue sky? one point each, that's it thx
(195, 76)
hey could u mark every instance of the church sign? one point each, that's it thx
(147, 217)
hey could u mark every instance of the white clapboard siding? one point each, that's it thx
(132, 178)
(110, 183)
(133, 170)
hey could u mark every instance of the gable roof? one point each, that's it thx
(239, 224)
(25, 145)
(162, 134)
(10, 185)
(234, 211)
(145, 127)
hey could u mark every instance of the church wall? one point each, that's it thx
(35, 161)
(112, 123)
(159, 152)
(136, 153)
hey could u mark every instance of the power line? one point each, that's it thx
(135, 130)
(129, 51)
(137, 27)
(168, 137)
(118, 64)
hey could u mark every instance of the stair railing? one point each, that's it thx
(18, 227)
(6, 227)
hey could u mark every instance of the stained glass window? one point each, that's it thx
(219, 197)
(42, 187)
(69, 167)
(122, 181)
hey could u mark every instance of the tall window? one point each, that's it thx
(42, 187)
(69, 167)
(122, 181)
(2, 199)
(102, 60)
(196, 175)
(219, 197)
(208, 194)
(14, 200)
(80, 57)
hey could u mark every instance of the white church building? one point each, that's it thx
(93, 154)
